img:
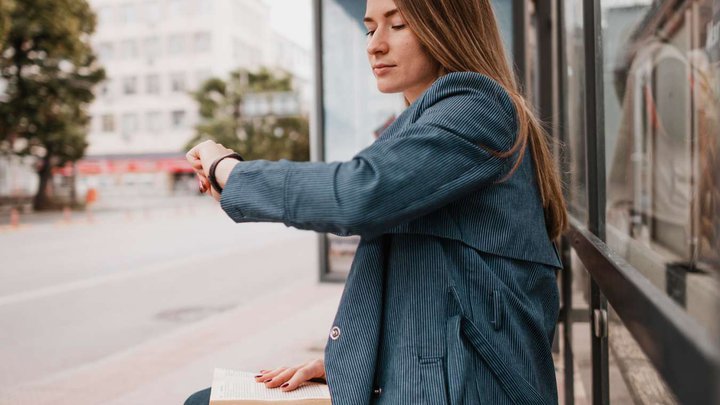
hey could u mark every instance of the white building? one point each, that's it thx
(156, 51)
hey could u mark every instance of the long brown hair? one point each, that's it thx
(462, 36)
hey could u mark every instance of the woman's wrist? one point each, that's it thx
(223, 170)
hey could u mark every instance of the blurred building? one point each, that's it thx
(155, 53)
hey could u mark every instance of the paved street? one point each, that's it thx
(139, 306)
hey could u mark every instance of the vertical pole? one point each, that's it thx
(595, 158)
(317, 135)
(561, 156)
(546, 63)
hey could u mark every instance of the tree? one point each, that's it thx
(259, 137)
(49, 70)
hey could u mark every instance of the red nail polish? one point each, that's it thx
(285, 385)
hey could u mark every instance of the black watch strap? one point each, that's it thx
(213, 166)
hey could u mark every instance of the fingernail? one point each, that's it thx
(258, 376)
(268, 380)
(285, 385)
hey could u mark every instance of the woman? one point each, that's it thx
(451, 297)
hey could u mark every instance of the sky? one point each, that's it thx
(293, 18)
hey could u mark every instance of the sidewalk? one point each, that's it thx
(169, 369)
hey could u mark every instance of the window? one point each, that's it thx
(178, 119)
(107, 122)
(178, 8)
(152, 12)
(202, 42)
(129, 49)
(151, 47)
(105, 88)
(176, 44)
(128, 14)
(153, 122)
(201, 76)
(105, 15)
(152, 84)
(105, 51)
(177, 82)
(129, 125)
(130, 85)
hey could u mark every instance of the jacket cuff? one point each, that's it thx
(255, 192)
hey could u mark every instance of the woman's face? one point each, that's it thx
(398, 61)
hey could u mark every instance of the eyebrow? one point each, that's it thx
(386, 15)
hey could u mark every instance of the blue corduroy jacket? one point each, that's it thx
(451, 297)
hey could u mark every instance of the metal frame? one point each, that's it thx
(318, 139)
(566, 277)
(595, 158)
(674, 342)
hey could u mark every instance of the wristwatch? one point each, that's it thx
(213, 166)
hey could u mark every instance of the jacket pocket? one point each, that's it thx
(459, 362)
(432, 381)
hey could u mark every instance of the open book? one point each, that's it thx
(232, 387)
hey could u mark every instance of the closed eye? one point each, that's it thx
(395, 27)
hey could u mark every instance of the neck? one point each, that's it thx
(411, 94)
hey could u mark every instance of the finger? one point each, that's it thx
(202, 177)
(196, 165)
(281, 378)
(268, 376)
(301, 376)
(193, 154)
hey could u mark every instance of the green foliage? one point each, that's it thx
(49, 69)
(268, 137)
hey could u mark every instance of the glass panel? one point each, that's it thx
(354, 111)
(633, 379)
(574, 148)
(662, 145)
(504, 14)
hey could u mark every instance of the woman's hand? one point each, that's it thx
(290, 378)
(201, 156)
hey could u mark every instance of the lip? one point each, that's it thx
(381, 68)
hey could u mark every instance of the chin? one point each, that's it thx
(385, 87)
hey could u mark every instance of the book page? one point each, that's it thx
(234, 385)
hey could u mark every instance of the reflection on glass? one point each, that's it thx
(662, 139)
(574, 150)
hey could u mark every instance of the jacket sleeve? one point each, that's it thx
(427, 164)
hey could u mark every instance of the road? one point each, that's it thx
(76, 293)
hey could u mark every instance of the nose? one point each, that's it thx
(377, 43)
